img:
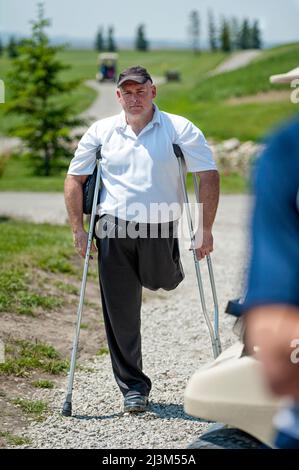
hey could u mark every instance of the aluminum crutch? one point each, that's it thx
(214, 331)
(67, 407)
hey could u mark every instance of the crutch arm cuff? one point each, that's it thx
(178, 152)
(98, 153)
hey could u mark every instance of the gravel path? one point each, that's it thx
(236, 61)
(175, 344)
(34, 207)
(105, 104)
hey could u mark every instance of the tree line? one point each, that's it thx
(227, 35)
(102, 42)
(108, 43)
(11, 47)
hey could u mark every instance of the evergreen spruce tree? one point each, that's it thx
(12, 48)
(212, 31)
(141, 43)
(1, 47)
(194, 30)
(245, 35)
(37, 90)
(235, 33)
(111, 46)
(225, 36)
(99, 42)
(256, 41)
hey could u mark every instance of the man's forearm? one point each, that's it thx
(73, 194)
(209, 196)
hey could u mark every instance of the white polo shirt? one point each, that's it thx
(140, 173)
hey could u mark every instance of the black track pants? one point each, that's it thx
(126, 264)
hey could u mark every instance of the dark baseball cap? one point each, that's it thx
(135, 74)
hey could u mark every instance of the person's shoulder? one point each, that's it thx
(179, 123)
(283, 143)
(281, 151)
(105, 124)
(288, 132)
(174, 119)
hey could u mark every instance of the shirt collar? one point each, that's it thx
(122, 123)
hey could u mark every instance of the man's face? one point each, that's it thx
(136, 98)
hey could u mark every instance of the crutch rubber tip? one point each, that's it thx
(67, 409)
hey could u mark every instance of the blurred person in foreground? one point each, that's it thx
(272, 300)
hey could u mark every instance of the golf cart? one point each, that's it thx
(231, 392)
(107, 67)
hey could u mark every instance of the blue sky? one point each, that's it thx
(164, 19)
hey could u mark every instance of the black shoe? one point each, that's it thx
(135, 403)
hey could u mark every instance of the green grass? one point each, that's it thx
(82, 63)
(43, 383)
(14, 440)
(191, 66)
(249, 80)
(18, 176)
(67, 288)
(84, 66)
(34, 408)
(102, 352)
(22, 357)
(204, 102)
(245, 121)
(17, 296)
(198, 97)
(229, 184)
(19, 239)
(234, 184)
(27, 251)
(24, 249)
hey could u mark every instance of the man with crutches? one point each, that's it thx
(139, 171)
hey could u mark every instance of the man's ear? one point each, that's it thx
(154, 91)
(118, 95)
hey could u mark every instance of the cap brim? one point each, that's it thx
(133, 78)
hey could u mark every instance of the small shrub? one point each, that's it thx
(25, 356)
(43, 384)
(103, 352)
(35, 408)
(14, 440)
